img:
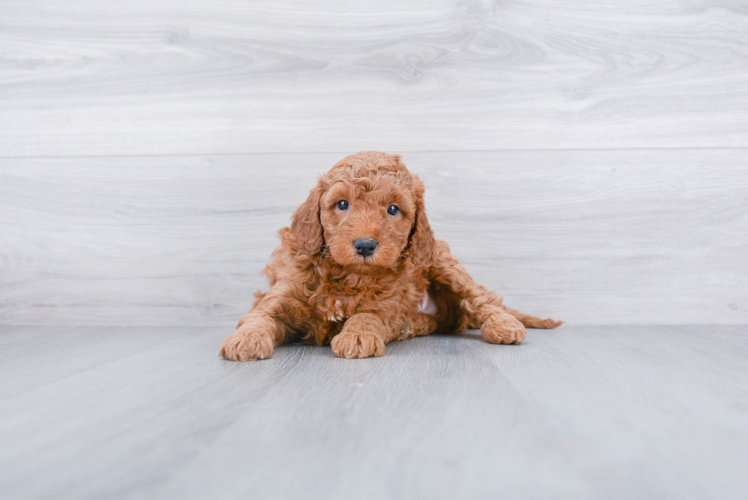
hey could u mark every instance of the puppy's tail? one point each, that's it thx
(534, 322)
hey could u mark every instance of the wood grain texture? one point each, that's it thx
(591, 237)
(578, 412)
(197, 77)
(59, 354)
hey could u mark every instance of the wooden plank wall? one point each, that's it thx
(588, 160)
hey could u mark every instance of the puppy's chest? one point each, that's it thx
(335, 306)
(335, 309)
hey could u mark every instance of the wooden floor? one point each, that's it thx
(579, 412)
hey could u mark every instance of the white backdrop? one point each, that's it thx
(587, 161)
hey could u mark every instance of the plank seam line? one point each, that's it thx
(402, 151)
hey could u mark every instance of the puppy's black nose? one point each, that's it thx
(365, 247)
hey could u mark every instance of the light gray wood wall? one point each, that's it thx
(588, 160)
(228, 76)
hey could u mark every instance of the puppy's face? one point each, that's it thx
(367, 220)
(364, 213)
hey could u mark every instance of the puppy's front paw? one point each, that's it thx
(357, 345)
(246, 345)
(502, 328)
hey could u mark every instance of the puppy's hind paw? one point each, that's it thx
(501, 328)
(246, 346)
(357, 345)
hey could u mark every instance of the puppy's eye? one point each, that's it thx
(342, 205)
(393, 210)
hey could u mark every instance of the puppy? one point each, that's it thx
(359, 267)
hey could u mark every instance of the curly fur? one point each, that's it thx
(323, 292)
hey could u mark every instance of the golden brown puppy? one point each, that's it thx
(359, 267)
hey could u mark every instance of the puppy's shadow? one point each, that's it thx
(468, 334)
(451, 344)
(447, 343)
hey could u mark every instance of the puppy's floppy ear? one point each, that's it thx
(422, 242)
(306, 228)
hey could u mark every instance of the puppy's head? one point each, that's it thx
(367, 212)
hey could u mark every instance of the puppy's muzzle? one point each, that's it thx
(365, 247)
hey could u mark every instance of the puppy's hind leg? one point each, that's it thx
(534, 321)
(470, 305)
(420, 324)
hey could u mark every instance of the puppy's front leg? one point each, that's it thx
(255, 338)
(363, 336)
(261, 330)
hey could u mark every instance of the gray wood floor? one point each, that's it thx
(579, 412)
